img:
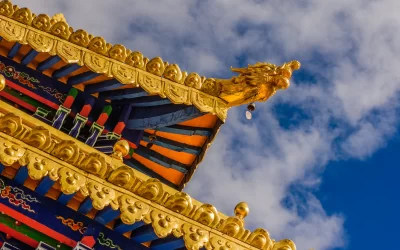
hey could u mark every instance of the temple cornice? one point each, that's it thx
(106, 181)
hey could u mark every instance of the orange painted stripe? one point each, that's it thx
(194, 140)
(182, 157)
(205, 121)
(170, 174)
(37, 226)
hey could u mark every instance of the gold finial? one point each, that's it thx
(121, 149)
(2, 82)
(59, 17)
(242, 210)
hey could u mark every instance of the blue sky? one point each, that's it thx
(317, 164)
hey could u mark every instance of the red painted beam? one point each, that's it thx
(37, 226)
(19, 236)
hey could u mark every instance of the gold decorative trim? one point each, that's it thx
(46, 151)
(257, 82)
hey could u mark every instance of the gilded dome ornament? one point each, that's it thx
(2, 82)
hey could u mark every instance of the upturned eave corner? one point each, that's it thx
(45, 151)
(257, 82)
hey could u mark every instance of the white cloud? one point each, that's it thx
(351, 47)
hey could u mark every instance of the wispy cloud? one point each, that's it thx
(350, 52)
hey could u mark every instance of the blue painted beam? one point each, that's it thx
(143, 234)
(173, 145)
(29, 57)
(103, 86)
(120, 94)
(161, 116)
(169, 242)
(146, 101)
(44, 186)
(85, 206)
(122, 228)
(133, 163)
(1, 168)
(161, 159)
(14, 50)
(21, 175)
(106, 215)
(185, 130)
(48, 63)
(65, 198)
(64, 71)
(83, 77)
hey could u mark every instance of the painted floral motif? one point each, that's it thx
(75, 226)
(22, 77)
(53, 92)
(107, 242)
(17, 197)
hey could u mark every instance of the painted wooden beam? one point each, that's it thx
(146, 101)
(161, 159)
(106, 215)
(65, 198)
(161, 116)
(122, 228)
(21, 176)
(186, 130)
(173, 145)
(64, 71)
(120, 94)
(169, 242)
(123, 118)
(103, 86)
(85, 206)
(14, 50)
(82, 77)
(144, 234)
(44, 186)
(48, 63)
(145, 170)
(29, 57)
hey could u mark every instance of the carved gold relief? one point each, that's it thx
(194, 80)
(173, 72)
(180, 202)
(100, 195)
(61, 29)
(123, 177)
(219, 243)
(176, 92)
(151, 189)
(42, 22)
(203, 102)
(38, 166)
(70, 181)
(81, 38)
(137, 60)
(156, 66)
(150, 83)
(207, 215)
(10, 153)
(39, 42)
(23, 15)
(96, 63)
(260, 239)
(99, 45)
(211, 86)
(123, 74)
(39, 137)
(132, 210)
(119, 52)
(11, 31)
(285, 244)
(163, 224)
(68, 52)
(12, 125)
(94, 163)
(6, 8)
(195, 238)
(67, 151)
